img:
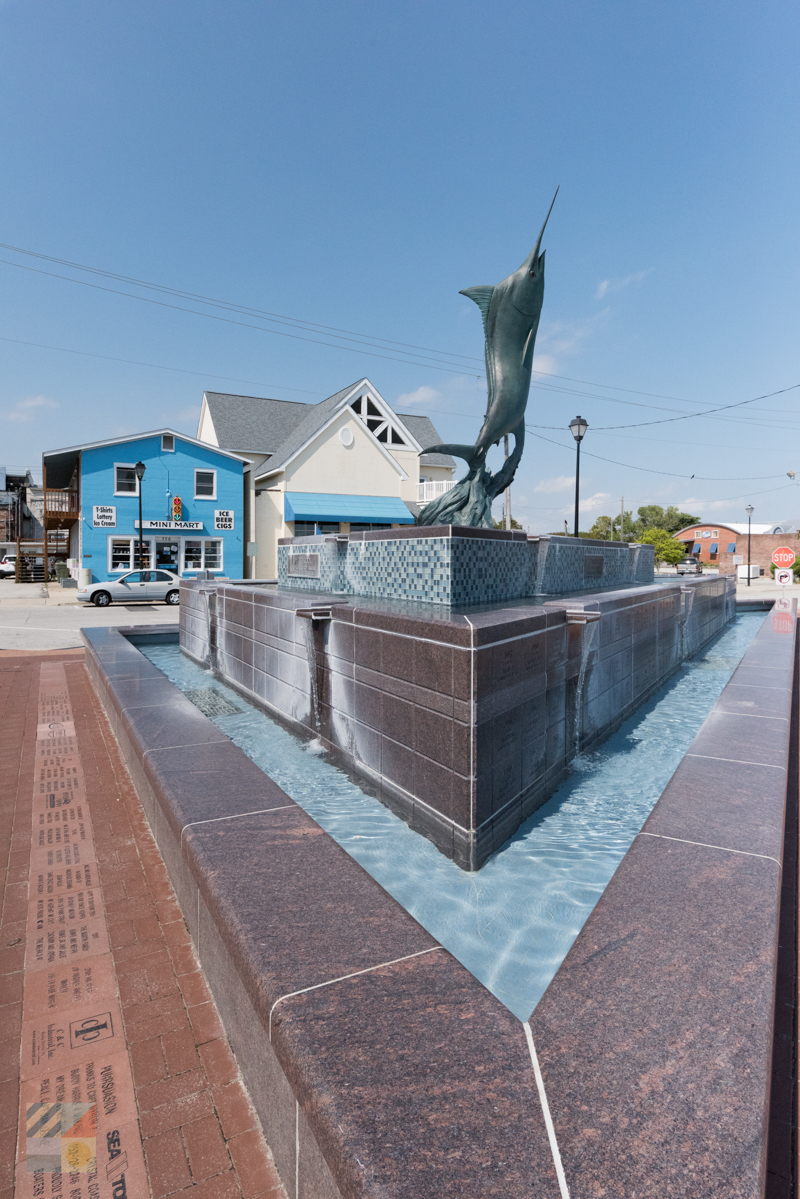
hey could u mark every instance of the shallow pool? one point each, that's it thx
(511, 923)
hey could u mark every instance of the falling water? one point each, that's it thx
(589, 637)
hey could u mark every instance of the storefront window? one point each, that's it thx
(193, 555)
(144, 560)
(202, 555)
(121, 554)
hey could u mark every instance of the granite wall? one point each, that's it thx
(658, 1063)
(464, 723)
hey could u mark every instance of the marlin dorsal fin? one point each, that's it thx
(482, 297)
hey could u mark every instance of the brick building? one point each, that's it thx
(725, 546)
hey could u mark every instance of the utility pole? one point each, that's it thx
(621, 517)
(508, 489)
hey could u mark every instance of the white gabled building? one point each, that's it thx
(347, 463)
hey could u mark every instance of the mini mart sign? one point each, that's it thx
(171, 526)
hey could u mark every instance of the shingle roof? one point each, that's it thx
(423, 429)
(280, 427)
(303, 430)
(262, 425)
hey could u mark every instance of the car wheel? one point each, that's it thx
(173, 597)
(101, 599)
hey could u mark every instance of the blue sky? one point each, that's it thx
(355, 165)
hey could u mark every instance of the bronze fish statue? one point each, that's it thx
(510, 312)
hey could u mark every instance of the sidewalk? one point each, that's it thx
(36, 595)
(125, 1081)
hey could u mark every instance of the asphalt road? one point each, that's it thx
(29, 621)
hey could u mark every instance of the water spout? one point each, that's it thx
(313, 624)
(589, 640)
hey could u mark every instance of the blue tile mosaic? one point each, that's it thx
(465, 570)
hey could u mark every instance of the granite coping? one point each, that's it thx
(653, 1039)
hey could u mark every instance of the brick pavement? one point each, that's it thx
(198, 1130)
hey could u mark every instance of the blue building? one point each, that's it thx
(192, 506)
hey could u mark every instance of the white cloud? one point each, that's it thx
(561, 483)
(25, 410)
(544, 364)
(600, 499)
(423, 395)
(611, 285)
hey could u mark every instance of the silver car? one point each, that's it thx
(137, 586)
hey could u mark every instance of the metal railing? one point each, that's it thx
(431, 491)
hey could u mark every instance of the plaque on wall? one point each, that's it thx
(304, 566)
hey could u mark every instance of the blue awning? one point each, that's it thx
(731, 547)
(357, 509)
(696, 548)
(713, 548)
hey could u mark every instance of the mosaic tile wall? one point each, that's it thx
(439, 570)
(466, 570)
(560, 564)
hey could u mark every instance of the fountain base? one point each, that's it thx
(464, 720)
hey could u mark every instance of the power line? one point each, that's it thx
(158, 366)
(686, 416)
(648, 470)
(349, 334)
(230, 305)
(229, 321)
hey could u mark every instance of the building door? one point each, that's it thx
(167, 553)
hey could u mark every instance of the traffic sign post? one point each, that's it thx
(783, 556)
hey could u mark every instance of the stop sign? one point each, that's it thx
(783, 556)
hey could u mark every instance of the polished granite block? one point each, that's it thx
(405, 691)
(654, 1037)
(409, 1079)
(446, 1098)
(280, 945)
(727, 804)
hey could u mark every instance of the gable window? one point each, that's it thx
(384, 429)
(125, 481)
(205, 484)
(167, 443)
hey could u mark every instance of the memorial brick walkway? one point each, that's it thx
(125, 1085)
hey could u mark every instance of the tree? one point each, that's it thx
(651, 516)
(602, 528)
(629, 527)
(666, 548)
(501, 524)
(674, 520)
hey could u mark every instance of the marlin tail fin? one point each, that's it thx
(470, 453)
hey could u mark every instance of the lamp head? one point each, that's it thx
(578, 427)
(140, 469)
(749, 509)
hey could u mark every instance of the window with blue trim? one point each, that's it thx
(731, 547)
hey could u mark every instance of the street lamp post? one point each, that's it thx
(749, 510)
(140, 469)
(578, 428)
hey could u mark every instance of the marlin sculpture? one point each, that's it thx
(510, 312)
